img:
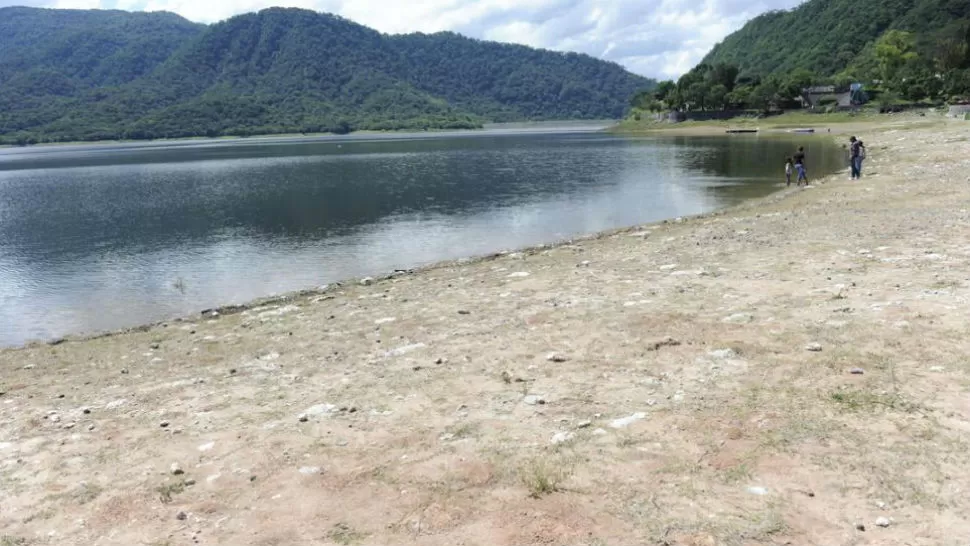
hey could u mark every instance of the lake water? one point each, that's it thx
(95, 238)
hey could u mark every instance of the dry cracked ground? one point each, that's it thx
(793, 371)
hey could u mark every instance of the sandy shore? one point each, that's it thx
(792, 371)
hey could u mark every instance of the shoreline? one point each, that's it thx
(289, 296)
(705, 381)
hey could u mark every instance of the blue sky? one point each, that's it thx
(656, 38)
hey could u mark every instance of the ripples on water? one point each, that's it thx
(95, 238)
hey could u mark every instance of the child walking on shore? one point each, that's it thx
(788, 168)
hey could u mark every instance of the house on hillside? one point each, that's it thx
(823, 96)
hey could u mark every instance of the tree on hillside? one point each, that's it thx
(724, 74)
(892, 51)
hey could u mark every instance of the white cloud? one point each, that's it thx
(658, 38)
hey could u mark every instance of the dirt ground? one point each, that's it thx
(792, 371)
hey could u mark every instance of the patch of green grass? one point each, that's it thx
(344, 534)
(464, 430)
(542, 477)
(85, 493)
(737, 473)
(10, 540)
(43, 515)
(169, 490)
(857, 400)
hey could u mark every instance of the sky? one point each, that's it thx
(657, 38)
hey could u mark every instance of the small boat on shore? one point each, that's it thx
(737, 131)
(803, 130)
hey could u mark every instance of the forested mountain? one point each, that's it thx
(914, 51)
(827, 37)
(70, 75)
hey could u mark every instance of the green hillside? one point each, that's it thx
(827, 37)
(88, 75)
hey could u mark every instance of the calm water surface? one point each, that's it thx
(104, 237)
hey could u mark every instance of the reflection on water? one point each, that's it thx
(95, 238)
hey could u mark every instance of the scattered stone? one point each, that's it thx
(723, 354)
(69, 426)
(366, 281)
(534, 399)
(937, 369)
(757, 490)
(29, 367)
(556, 357)
(562, 437)
(599, 432)
(91, 427)
(176, 469)
(189, 482)
(385, 320)
(860, 527)
(124, 371)
(814, 347)
(439, 361)
(181, 516)
(206, 447)
(154, 346)
(115, 404)
(624, 422)
(86, 411)
(507, 377)
(164, 424)
(883, 521)
(309, 470)
(584, 424)
(519, 274)
(656, 345)
(405, 349)
(857, 371)
(316, 411)
(55, 418)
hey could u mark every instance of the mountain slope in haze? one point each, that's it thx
(828, 36)
(278, 70)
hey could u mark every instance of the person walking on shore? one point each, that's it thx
(800, 166)
(788, 168)
(857, 152)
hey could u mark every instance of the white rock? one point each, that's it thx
(533, 399)
(115, 404)
(367, 281)
(723, 354)
(757, 490)
(317, 411)
(739, 318)
(555, 357)
(814, 347)
(207, 447)
(309, 470)
(519, 274)
(883, 521)
(385, 320)
(599, 432)
(176, 469)
(624, 422)
(562, 437)
(584, 424)
(405, 349)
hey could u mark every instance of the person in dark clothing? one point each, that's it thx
(857, 152)
(799, 158)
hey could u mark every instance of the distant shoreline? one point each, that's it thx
(525, 126)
